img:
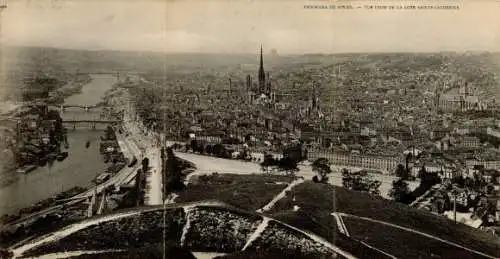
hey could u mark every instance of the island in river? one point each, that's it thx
(78, 169)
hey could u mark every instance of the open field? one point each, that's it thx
(208, 164)
(318, 201)
(249, 192)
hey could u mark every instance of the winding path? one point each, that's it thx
(280, 195)
(57, 235)
(145, 144)
(340, 224)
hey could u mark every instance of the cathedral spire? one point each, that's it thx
(261, 59)
(262, 75)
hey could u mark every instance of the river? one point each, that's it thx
(78, 169)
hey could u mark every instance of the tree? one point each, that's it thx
(490, 189)
(209, 149)
(346, 178)
(360, 181)
(288, 165)
(145, 164)
(430, 179)
(422, 172)
(294, 152)
(321, 166)
(408, 158)
(268, 162)
(138, 189)
(110, 134)
(163, 153)
(401, 172)
(194, 145)
(173, 179)
(243, 155)
(6, 253)
(494, 177)
(458, 180)
(219, 150)
(248, 137)
(400, 191)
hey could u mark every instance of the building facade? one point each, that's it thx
(384, 164)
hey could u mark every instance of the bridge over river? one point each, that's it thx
(89, 123)
(82, 164)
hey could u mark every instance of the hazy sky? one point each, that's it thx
(242, 25)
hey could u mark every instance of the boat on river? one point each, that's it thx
(26, 169)
(61, 156)
(42, 161)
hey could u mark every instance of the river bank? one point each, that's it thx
(56, 97)
(71, 88)
(17, 109)
(111, 168)
(78, 169)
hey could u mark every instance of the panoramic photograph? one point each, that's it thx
(307, 129)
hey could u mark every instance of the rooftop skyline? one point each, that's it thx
(221, 26)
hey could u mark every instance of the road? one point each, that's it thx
(129, 149)
(154, 178)
(148, 146)
(280, 195)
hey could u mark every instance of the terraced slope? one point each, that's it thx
(202, 226)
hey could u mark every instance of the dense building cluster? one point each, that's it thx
(364, 111)
(431, 113)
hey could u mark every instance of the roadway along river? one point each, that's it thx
(82, 164)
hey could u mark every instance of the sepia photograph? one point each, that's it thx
(250, 129)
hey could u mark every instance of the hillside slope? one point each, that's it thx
(317, 202)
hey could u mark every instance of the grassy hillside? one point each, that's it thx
(249, 192)
(318, 201)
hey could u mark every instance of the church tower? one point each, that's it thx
(249, 83)
(262, 75)
(268, 85)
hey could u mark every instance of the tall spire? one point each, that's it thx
(261, 59)
(262, 75)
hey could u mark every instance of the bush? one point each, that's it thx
(218, 230)
(130, 232)
(277, 237)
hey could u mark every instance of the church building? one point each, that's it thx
(263, 92)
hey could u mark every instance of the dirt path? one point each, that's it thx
(280, 195)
